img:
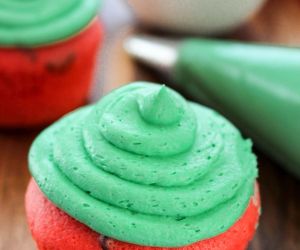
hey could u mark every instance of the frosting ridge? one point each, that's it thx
(36, 22)
(168, 178)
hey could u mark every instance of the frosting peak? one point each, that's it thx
(154, 121)
(161, 106)
(132, 171)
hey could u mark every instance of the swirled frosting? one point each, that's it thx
(145, 166)
(35, 22)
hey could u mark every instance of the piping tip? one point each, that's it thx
(155, 52)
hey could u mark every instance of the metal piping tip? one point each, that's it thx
(156, 52)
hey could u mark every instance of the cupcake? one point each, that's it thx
(48, 53)
(142, 169)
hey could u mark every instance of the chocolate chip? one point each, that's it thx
(103, 242)
(30, 53)
(59, 67)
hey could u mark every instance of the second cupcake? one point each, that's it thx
(48, 53)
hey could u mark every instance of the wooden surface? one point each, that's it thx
(279, 229)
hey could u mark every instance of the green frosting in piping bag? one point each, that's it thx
(36, 22)
(147, 167)
(256, 86)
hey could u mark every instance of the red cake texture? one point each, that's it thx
(53, 229)
(38, 85)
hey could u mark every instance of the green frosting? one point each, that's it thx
(147, 167)
(36, 22)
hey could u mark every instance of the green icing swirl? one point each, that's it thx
(36, 22)
(145, 166)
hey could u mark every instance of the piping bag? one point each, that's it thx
(256, 86)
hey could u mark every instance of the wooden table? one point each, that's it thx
(278, 22)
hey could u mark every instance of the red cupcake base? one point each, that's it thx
(38, 85)
(53, 229)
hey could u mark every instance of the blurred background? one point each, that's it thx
(273, 22)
